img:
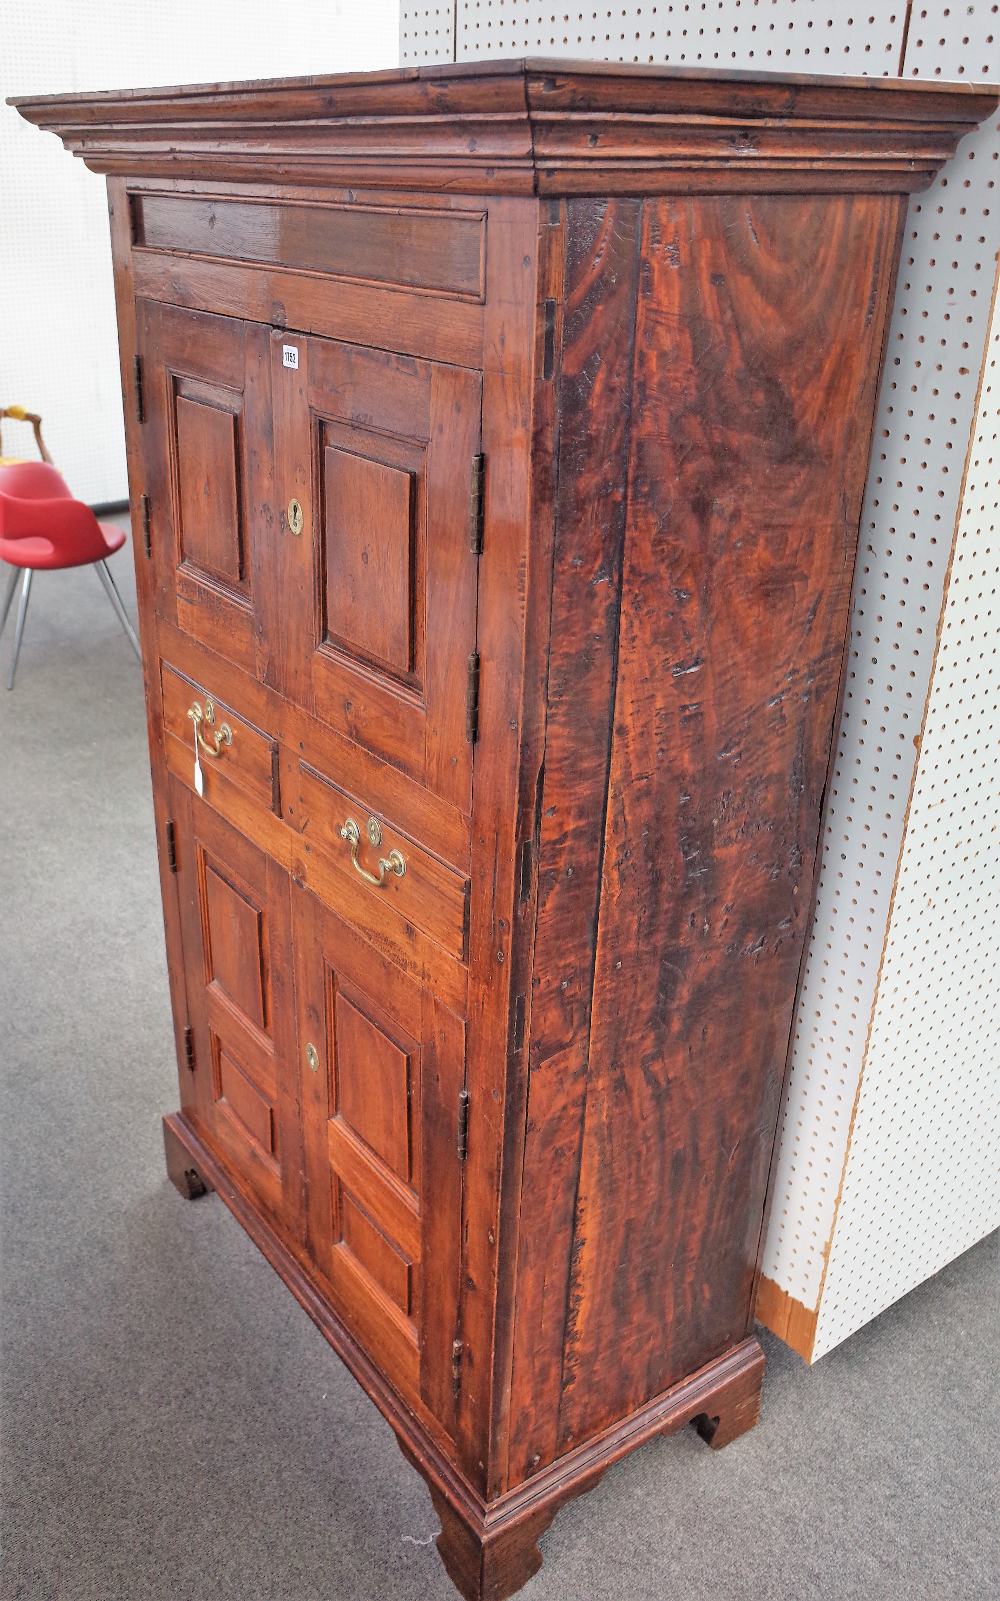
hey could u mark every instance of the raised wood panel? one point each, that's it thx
(208, 464)
(368, 557)
(210, 521)
(235, 955)
(419, 249)
(380, 1256)
(368, 548)
(237, 1094)
(375, 1088)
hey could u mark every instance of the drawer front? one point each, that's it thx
(396, 873)
(402, 898)
(237, 761)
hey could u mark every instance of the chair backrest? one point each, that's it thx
(33, 480)
(20, 415)
(35, 504)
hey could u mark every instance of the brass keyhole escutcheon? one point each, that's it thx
(296, 520)
(312, 1058)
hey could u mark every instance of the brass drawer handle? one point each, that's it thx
(393, 863)
(218, 738)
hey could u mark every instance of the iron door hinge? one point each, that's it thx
(457, 1348)
(476, 505)
(140, 403)
(463, 1125)
(189, 1048)
(472, 699)
(171, 846)
(147, 538)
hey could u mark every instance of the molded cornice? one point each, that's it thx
(529, 127)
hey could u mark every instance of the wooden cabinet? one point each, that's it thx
(497, 439)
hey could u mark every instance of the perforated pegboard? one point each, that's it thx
(769, 34)
(926, 408)
(933, 360)
(58, 342)
(922, 1179)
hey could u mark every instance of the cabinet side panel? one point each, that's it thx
(759, 331)
(593, 388)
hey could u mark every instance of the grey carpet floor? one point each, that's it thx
(174, 1427)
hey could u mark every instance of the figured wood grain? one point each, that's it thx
(535, 1237)
(753, 399)
(418, 249)
(488, 127)
(594, 401)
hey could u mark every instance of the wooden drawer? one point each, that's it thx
(247, 760)
(409, 881)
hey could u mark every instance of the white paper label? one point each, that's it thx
(199, 778)
(289, 355)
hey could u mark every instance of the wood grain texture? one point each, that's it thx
(530, 127)
(593, 410)
(758, 339)
(501, 1124)
(418, 249)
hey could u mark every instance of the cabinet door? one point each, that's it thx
(206, 439)
(382, 1071)
(241, 1088)
(377, 452)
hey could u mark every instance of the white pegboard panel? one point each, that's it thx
(426, 34)
(922, 1179)
(771, 35)
(58, 347)
(928, 394)
(926, 408)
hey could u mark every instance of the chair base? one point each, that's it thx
(26, 575)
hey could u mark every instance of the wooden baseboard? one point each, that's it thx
(787, 1318)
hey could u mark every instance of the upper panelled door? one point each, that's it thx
(378, 452)
(205, 388)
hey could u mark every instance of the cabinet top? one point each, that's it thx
(529, 127)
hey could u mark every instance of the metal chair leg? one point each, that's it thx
(22, 612)
(15, 574)
(104, 574)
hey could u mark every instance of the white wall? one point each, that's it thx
(58, 344)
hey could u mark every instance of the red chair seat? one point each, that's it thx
(42, 526)
(34, 550)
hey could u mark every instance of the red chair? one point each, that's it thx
(43, 527)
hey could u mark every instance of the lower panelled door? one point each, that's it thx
(240, 1052)
(382, 1071)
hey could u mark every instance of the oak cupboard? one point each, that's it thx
(497, 436)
